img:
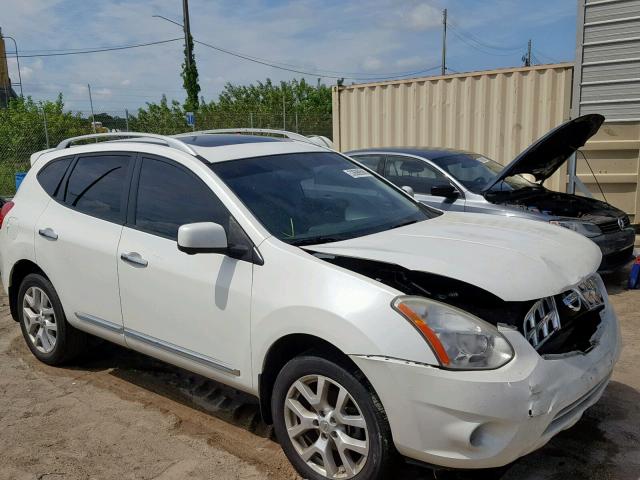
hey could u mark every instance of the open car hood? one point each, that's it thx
(542, 158)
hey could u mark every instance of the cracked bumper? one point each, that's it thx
(490, 418)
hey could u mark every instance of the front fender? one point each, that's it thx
(296, 293)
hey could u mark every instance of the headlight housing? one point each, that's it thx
(459, 340)
(584, 228)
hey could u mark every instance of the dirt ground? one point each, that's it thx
(120, 415)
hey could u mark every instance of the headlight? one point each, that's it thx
(584, 228)
(458, 339)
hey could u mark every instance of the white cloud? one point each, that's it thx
(368, 36)
(411, 62)
(423, 17)
(372, 64)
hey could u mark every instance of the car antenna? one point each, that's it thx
(594, 175)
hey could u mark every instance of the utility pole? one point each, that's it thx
(126, 118)
(15, 44)
(284, 111)
(93, 117)
(527, 58)
(46, 128)
(187, 30)
(444, 42)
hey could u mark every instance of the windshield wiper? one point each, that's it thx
(315, 241)
(404, 224)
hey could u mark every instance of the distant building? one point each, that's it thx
(6, 90)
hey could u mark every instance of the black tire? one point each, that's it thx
(70, 342)
(382, 455)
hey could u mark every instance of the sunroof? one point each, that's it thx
(220, 140)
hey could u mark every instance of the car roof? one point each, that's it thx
(221, 140)
(430, 153)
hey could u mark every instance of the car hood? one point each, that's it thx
(542, 158)
(515, 259)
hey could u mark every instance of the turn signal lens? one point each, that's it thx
(458, 339)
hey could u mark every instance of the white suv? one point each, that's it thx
(367, 324)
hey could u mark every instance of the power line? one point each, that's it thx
(478, 48)
(482, 43)
(97, 50)
(316, 73)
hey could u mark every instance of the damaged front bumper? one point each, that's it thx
(484, 419)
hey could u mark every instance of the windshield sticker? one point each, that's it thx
(482, 159)
(357, 172)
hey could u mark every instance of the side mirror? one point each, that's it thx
(203, 237)
(444, 190)
(408, 190)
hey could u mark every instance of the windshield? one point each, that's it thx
(307, 198)
(475, 172)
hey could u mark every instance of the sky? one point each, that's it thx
(361, 40)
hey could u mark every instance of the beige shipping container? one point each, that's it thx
(614, 156)
(497, 113)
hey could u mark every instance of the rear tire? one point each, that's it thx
(49, 336)
(342, 433)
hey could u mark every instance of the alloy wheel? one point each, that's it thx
(326, 427)
(39, 320)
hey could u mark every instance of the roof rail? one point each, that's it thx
(271, 131)
(172, 142)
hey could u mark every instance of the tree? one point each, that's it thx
(22, 132)
(190, 77)
(162, 118)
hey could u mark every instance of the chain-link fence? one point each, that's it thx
(24, 132)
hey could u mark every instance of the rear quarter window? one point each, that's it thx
(52, 173)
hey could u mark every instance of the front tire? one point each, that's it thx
(49, 336)
(329, 421)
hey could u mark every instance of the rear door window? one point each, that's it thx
(414, 173)
(51, 175)
(97, 186)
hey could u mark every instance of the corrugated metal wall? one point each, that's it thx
(608, 59)
(614, 156)
(496, 113)
(607, 81)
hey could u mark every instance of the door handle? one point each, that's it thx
(48, 233)
(134, 258)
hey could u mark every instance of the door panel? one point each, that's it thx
(197, 305)
(77, 249)
(191, 310)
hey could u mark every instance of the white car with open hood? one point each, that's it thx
(366, 323)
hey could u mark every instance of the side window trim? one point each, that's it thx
(124, 200)
(135, 183)
(254, 253)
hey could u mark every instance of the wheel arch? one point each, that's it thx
(284, 349)
(19, 271)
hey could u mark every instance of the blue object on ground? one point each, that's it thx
(19, 177)
(634, 276)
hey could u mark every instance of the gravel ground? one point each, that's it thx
(122, 415)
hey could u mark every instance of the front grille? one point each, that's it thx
(541, 322)
(614, 225)
(567, 320)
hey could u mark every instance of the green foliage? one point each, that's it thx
(22, 133)
(190, 79)
(162, 118)
(295, 105)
